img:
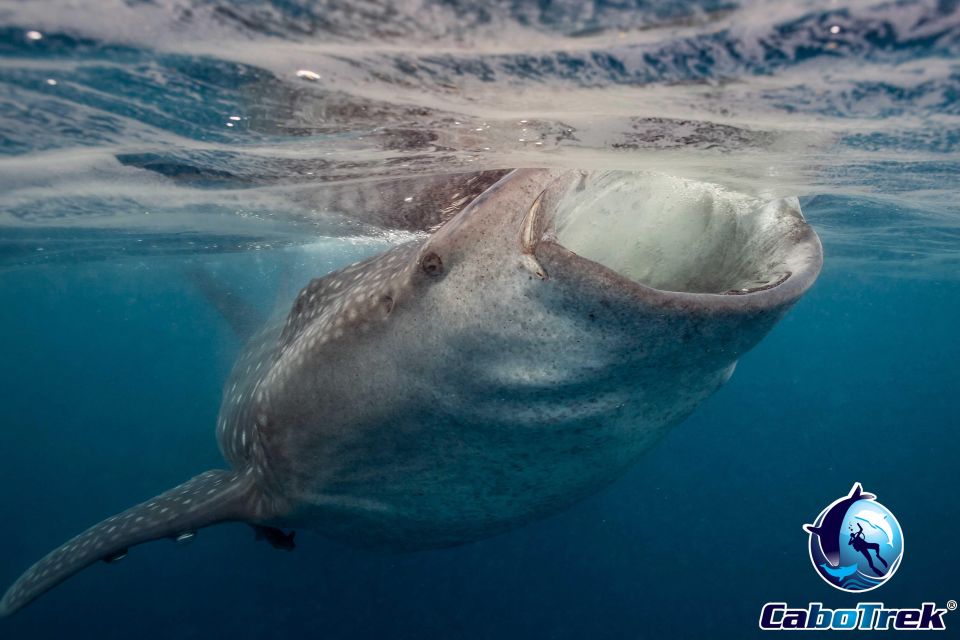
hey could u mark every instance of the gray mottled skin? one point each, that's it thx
(456, 387)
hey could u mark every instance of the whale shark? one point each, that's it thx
(519, 358)
(827, 528)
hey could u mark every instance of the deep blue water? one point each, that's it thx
(113, 388)
(142, 140)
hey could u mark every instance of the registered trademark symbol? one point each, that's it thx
(951, 605)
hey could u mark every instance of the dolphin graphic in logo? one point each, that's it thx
(827, 528)
(877, 521)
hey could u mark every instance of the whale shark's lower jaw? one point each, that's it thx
(670, 235)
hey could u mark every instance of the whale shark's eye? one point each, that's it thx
(431, 264)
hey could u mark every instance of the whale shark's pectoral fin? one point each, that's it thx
(211, 497)
(242, 317)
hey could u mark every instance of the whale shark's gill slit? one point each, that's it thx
(211, 497)
(680, 235)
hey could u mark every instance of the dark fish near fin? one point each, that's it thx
(275, 537)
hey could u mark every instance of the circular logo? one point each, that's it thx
(855, 543)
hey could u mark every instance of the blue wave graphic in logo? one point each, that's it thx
(839, 572)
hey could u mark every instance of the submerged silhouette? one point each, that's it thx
(859, 542)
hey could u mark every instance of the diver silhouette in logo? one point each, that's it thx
(859, 542)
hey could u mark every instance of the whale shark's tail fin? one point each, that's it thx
(211, 497)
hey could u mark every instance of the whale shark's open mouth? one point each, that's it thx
(680, 235)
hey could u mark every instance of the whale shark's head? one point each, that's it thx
(624, 245)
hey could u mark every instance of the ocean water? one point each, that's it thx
(142, 141)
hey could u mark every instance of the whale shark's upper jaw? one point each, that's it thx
(671, 241)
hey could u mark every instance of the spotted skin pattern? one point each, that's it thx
(213, 496)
